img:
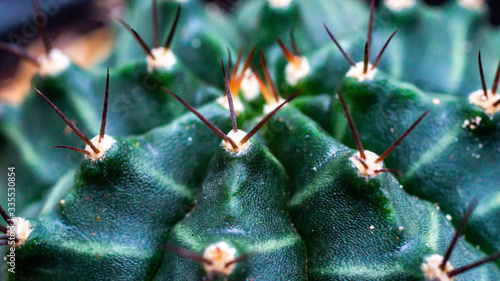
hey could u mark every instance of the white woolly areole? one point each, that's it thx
(472, 4)
(21, 228)
(371, 166)
(53, 63)
(238, 105)
(219, 254)
(163, 58)
(399, 5)
(432, 271)
(279, 4)
(357, 72)
(296, 71)
(103, 146)
(236, 137)
(250, 85)
(270, 107)
(485, 102)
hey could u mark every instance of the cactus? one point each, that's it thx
(293, 191)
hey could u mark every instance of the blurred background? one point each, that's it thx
(81, 29)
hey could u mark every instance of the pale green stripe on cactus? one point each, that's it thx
(88, 114)
(183, 234)
(25, 147)
(340, 129)
(308, 191)
(275, 244)
(359, 271)
(434, 153)
(488, 205)
(92, 248)
(432, 236)
(397, 57)
(459, 61)
(59, 190)
(173, 185)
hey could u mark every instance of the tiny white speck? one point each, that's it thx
(392, 130)
(190, 139)
(196, 43)
(480, 145)
(401, 228)
(436, 101)
(315, 169)
(466, 123)
(448, 217)
(63, 201)
(372, 227)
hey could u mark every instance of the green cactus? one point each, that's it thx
(159, 196)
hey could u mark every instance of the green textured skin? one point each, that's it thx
(333, 209)
(243, 203)
(294, 203)
(441, 161)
